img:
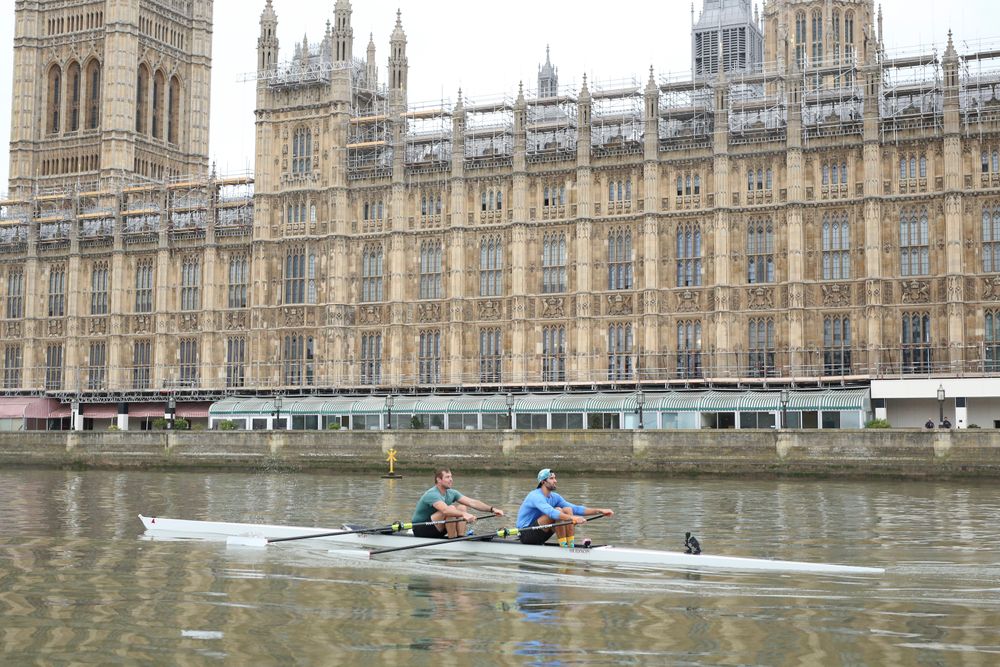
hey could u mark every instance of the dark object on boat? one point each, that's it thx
(691, 545)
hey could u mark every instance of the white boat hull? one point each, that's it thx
(605, 555)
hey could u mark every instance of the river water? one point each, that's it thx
(79, 584)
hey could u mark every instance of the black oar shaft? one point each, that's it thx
(503, 532)
(394, 527)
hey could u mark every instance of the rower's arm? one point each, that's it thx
(593, 511)
(480, 505)
(446, 509)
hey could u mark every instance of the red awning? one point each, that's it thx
(146, 409)
(26, 407)
(193, 410)
(100, 411)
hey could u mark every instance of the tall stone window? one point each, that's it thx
(158, 92)
(298, 359)
(689, 349)
(141, 96)
(835, 35)
(991, 341)
(187, 357)
(490, 355)
(554, 196)
(302, 152)
(761, 346)
(93, 95)
(430, 204)
(429, 357)
(817, 38)
(837, 345)
(620, 191)
(142, 364)
(295, 275)
(53, 367)
(15, 294)
(173, 110)
(760, 179)
(491, 266)
(991, 238)
(554, 354)
(491, 200)
(54, 98)
(239, 280)
(760, 251)
(372, 269)
(916, 340)
(688, 255)
(914, 247)
(191, 284)
(371, 358)
(620, 354)
(75, 90)
(430, 270)
(849, 37)
(12, 363)
(144, 286)
(554, 263)
(236, 360)
(97, 367)
(800, 39)
(620, 259)
(57, 291)
(836, 247)
(99, 289)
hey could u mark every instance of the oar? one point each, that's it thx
(250, 541)
(503, 532)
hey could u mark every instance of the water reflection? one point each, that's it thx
(76, 585)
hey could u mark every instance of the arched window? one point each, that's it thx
(173, 110)
(371, 273)
(490, 266)
(141, 93)
(158, 91)
(620, 259)
(74, 91)
(688, 256)
(302, 151)
(760, 252)
(817, 38)
(93, 95)
(800, 39)
(620, 359)
(55, 98)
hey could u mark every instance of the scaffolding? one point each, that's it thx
(832, 99)
(552, 126)
(758, 107)
(912, 96)
(489, 133)
(234, 205)
(428, 136)
(617, 118)
(686, 109)
(980, 86)
(369, 135)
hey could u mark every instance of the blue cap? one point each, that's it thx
(543, 475)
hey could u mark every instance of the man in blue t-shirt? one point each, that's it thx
(440, 503)
(544, 506)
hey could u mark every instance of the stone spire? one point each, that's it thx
(398, 64)
(371, 64)
(343, 34)
(267, 42)
(548, 77)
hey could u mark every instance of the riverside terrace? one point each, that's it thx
(901, 454)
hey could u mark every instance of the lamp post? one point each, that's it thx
(510, 410)
(277, 409)
(784, 408)
(940, 398)
(389, 400)
(171, 411)
(640, 400)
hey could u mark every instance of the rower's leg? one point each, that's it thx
(441, 527)
(458, 528)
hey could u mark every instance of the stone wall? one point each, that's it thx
(890, 453)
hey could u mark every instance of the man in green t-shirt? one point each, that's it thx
(440, 503)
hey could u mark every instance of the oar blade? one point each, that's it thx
(248, 541)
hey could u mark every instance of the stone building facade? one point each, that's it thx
(829, 213)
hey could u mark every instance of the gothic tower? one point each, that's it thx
(108, 91)
(398, 64)
(343, 34)
(729, 24)
(548, 78)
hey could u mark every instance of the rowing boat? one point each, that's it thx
(604, 555)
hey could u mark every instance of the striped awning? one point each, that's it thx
(432, 405)
(570, 403)
(830, 399)
(674, 402)
(532, 404)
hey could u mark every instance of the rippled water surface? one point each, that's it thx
(79, 584)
